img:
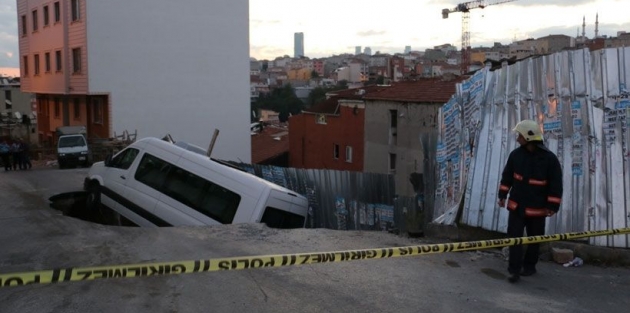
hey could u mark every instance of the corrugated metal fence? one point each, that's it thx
(342, 200)
(582, 101)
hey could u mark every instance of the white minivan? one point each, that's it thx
(153, 182)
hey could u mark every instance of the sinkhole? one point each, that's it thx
(74, 204)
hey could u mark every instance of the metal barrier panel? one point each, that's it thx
(581, 99)
(342, 200)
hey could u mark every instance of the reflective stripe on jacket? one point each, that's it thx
(533, 181)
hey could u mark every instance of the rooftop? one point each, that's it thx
(429, 90)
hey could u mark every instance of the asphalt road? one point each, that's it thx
(35, 237)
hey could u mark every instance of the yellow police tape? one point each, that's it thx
(239, 263)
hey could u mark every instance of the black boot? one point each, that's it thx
(528, 272)
(514, 278)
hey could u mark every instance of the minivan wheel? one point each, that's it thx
(93, 201)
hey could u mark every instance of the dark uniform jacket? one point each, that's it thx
(533, 180)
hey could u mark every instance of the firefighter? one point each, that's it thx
(533, 179)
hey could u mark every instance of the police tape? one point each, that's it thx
(239, 263)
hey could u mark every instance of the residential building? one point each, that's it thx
(330, 135)
(121, 65)
(298, 45)
(18, 117)
(395, 119)
(524, 48)
(269, 116)
(554, 43)
(397, 68)
(357, 50)
(318, 66)
(622, 40)
(367, 51)
(407, 49)
(299, 74)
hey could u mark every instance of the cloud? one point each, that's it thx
(258, 22)
(561, 3)
(8, 35)
(267, 52)
(453, 4)
(607, 29)
(371, 33)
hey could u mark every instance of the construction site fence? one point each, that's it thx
(344, 200)
(581, 100)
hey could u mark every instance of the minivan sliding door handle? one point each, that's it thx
(123, 177)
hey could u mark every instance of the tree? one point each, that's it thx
(282, 100)
(314, 74)
(316, 96)
(380, 80)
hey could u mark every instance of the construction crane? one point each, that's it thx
(465, 8)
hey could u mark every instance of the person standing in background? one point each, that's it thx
(16, 153)
(25, 154)
(5, 155)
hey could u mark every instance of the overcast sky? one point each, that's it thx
(337, 26)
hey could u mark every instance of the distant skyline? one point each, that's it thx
(335, 27)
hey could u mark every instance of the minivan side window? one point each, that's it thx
(219, 203)
(191, 190)
(152, 171)
(125, 159)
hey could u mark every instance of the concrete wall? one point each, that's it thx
(173, 68)
(416, 119)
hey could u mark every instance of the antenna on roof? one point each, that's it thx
(214, 139)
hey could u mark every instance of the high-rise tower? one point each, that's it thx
(298, 45)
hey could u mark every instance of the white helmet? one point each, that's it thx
(529, 129)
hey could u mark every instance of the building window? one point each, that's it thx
(57, 12)
(77, 108)
(97, 108)
(23, 25)
(34, 20)
(393, 126)
(58, 60)
(76, 10)
(321, 119)
(47, 62)
(349, 154)
(57, 108)
(7, 100)
(46, 17)
(336, 151)
(393, 121)
(76, 60)
(392, 162)
(40, 105)
(25, 64)
(36, 60)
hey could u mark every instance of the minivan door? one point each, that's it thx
(115, 181)
(146, 185)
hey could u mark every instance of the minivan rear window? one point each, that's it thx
(276, 218)
(189, 189)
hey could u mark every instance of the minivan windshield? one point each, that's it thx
(73, 141)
